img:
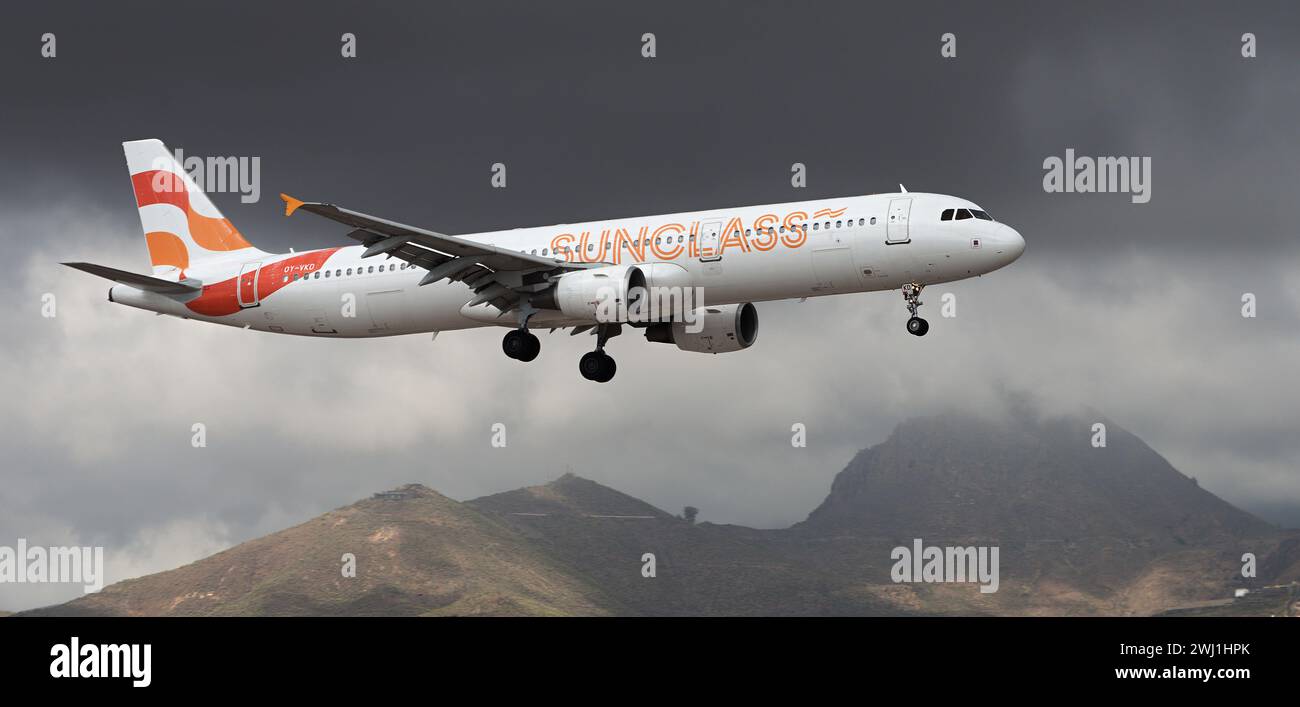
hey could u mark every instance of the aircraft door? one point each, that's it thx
(246, 292)
(896, 230)
(710, 240)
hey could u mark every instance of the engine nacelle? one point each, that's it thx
(596, 294)
(721, 329)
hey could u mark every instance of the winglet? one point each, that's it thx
(900, 188)
(290, 204)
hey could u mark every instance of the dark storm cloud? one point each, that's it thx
(739, 91)
(1131, 309)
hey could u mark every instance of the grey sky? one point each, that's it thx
(1130, 309)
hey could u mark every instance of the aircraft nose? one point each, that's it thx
(1015, 244)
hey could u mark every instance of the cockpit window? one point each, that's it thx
(963, 214)
(981, 215)
(947, 215)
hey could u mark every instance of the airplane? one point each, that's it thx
(704, 269)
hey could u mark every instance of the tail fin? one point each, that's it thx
(182, 227)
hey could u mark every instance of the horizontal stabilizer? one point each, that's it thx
(143, 282)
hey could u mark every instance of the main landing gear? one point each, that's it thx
(912, 296)
(597, 365)
(521, 345)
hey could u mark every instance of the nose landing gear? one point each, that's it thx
(912, 296)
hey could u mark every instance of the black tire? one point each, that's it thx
(592, 365)
(514, 344)
(532, 347)
(917, 326)
(610, 369)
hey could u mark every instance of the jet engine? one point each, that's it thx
(719, 329)
(603, 294)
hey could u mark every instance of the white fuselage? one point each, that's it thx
(747, 254)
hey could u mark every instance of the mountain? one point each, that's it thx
(604, 535)
(417, 553)
(569, 495)
(1079, 530)
(963, 476)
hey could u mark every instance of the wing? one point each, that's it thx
(498, 276)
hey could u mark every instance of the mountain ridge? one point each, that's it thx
(1082, 530)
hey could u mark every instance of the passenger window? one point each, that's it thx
(947, 215)
(327, 273)
(370, 269)
(543, 251)
(962, 214)
(873, 220)
(815, 226)
(839, 224)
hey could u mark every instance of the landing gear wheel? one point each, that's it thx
(597, 366)
(521, 345)
(610, 369)
(532, 347)
(917, 326)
